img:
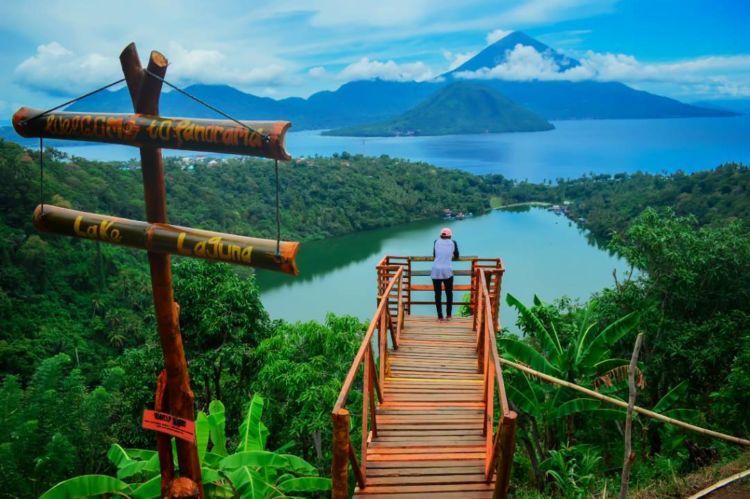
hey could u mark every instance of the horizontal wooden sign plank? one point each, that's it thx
(265, 139)
(166, 238)
(169, 425)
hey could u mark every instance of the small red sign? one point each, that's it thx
(171, 425)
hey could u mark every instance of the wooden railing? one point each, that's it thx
(383, 322)
(396, 284)
(500, 443)
(417, 277)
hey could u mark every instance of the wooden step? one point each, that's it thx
(430, 440)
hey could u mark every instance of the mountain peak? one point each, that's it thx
(497, 53)
(458, 108)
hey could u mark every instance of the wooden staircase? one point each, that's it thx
(428, 395)
(430, 426)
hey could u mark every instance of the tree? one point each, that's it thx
(222, 320)
(572, 346)
(303, 366)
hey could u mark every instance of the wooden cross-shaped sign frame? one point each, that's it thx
(150, 132)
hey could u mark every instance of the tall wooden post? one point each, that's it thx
(505, 456)
(145, 91)
(340, 462)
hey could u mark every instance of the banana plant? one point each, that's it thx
(578, 356)
(250, 472)
(577, 350)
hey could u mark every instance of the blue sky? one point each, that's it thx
(54, 49)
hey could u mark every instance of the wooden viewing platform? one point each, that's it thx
(430, 435)
(428, 404)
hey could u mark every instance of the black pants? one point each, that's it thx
(448, 284)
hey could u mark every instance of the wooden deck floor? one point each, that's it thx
(430, 440)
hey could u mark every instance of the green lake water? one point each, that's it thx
(544, 254)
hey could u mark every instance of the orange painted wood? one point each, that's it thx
(429, 427)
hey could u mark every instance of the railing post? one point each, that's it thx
(408, 285)
(383, 337)
(340, 463)
(505, 456)
(481, 334)
(400, 306)
(366, 383)
(495, 299)
(473, 297)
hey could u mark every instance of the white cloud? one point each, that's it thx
(725, 75)
(496, 35)
(211, 66)
(365, 69)
(317, 72)
(57, 70)
(456, 59)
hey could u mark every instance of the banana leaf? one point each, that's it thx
(307, 484)
(148, 490)
(86, 486)
(575, 406)
(525, 354)
(593, 353)
(201, 434)
(126, 467)
(550, 343)
(672, 396)
(217, 427)
(254, 459)
(300, 466)
(253, 433)
(251, 485)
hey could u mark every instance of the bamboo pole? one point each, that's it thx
(624, 405)
(144, 92)
(720, 484)
(340, 461)
(629, 456)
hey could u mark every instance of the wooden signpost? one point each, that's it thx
(175, 411)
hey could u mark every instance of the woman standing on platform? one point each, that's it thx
(444, 250)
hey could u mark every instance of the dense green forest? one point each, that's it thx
(607, 204)
(80, 355)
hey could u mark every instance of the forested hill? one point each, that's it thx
(320, 197)
(460, 108)
(606, 204)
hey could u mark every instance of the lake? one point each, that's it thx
(573, 149)
(543, 254)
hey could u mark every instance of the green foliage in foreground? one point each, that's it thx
(574, 346)
(303, 366)
(250, 471)
(693, 300)
(695, 297)
(54, 427)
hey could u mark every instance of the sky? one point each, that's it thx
(51, 50)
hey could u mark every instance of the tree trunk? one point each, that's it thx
(629, 455)
(534, 460)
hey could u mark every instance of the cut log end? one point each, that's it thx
(158, 58)
(183, 488)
